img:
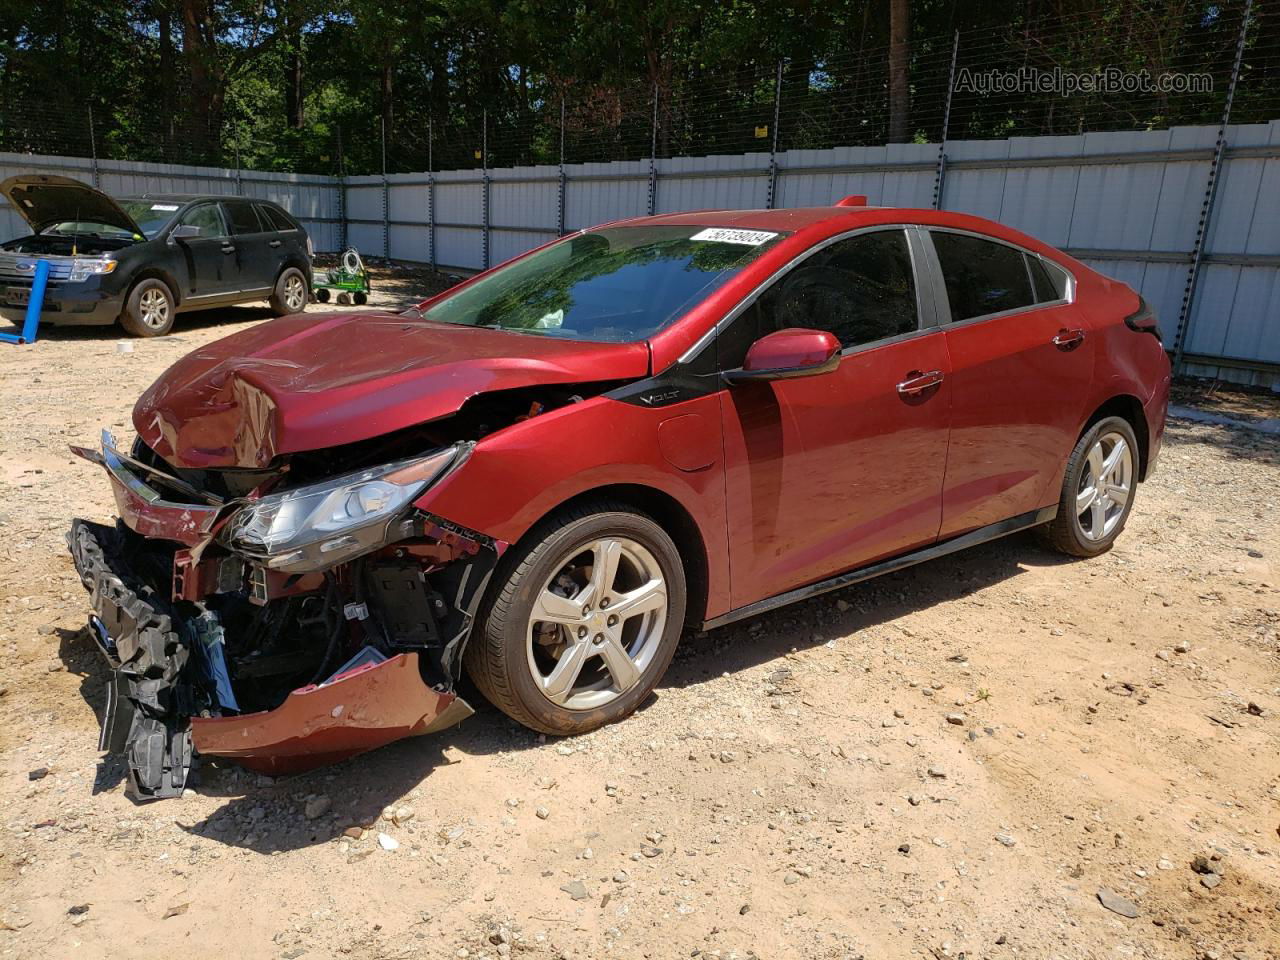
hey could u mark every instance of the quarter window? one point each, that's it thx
(982, 276)
(206, 218)
(861, 289)
(1050, 280)
(243, 219)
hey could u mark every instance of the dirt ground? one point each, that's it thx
(964, 759)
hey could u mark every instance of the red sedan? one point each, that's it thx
(544, 474)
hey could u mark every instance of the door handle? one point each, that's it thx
(1068, 339)
(275, 243)
(228, 248)
(917, 382)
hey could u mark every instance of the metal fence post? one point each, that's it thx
(941, 172)
(431, 196)
(1182, 332)
(653, 155)
(93, 152)
(772, 191)
(484, 192)
(386, 210)
(342, 197)
(560, 193)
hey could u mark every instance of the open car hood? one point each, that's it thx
(44, 200)
(298, 383)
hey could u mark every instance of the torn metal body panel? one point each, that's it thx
(353, 712)
(283, 629)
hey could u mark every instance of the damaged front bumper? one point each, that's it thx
(213, 655)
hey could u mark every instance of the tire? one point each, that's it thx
(344, 299)
(511, 656)
(291, 294)
(322, 295)
(149, 309)
(1071, 532)
(360, 298)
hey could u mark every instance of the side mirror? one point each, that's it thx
(784, 354)
(184, 231)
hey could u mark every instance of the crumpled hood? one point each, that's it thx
(301, 383)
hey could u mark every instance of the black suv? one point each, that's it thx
(141, 260)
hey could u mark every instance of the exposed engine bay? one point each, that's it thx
(66, 245)
(290, 616)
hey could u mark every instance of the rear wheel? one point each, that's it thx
(1097, 491)
(290, 294)
(149, 310)
(585, 623)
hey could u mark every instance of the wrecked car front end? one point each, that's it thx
(275, 616)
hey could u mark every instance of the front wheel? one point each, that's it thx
(1097, 491)
(583, 623)
(149, 309)
(290, 294)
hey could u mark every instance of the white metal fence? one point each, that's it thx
(1132, 204)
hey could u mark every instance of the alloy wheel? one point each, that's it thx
(1105, 486)
(597, 623)
(295, 292)
(153, 306)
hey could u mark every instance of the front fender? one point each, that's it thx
(519, 475)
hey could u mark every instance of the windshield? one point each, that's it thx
(616, 284)
(150, 215)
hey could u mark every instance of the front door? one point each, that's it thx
(208, 253)
(1022, 364)
(834, 471)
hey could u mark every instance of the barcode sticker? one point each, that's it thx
(748, 238)
(164, 206)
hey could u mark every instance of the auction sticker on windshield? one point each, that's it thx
(164, 206)
(750, 238)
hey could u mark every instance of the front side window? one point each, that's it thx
(206, 218)
(616, 284)
(861, 289)
(982, 276)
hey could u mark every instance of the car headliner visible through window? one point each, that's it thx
(616, 284)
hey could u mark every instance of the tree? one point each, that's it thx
(899, 81)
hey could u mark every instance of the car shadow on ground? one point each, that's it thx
(266, 815)
(855, 612)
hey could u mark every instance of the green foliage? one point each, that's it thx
(311, 85)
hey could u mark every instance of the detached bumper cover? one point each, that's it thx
(152, 714)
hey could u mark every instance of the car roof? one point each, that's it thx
(193, 197)
(785, 219)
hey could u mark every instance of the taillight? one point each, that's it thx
(1144, 320)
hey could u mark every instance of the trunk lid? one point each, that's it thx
(44, 199)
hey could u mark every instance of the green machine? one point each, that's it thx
(350, 281)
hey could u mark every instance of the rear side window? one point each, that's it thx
(1050, 280)
(275, 219)
(242, 217)
(982, 276)
(206, 218)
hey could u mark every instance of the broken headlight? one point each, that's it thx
(322, 524)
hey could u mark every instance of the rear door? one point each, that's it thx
(830, 472)
(209, 254)
(255, 256)
(1022, 361)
